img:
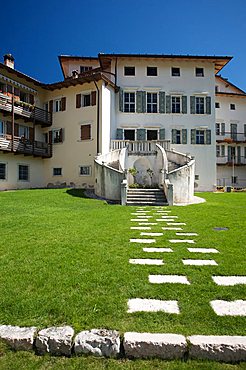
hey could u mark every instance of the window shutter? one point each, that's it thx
(229, 154)
(61, 135)
(31, 134)
(208, 104)
(8, 128)
(208, 137)
(143, 101)
(223, 128)
(238, 154)
(193, 136)
(162, 102)
(50, 137)
(141, 134)
(16, 91)
(93, 98)
(174, 136)
(31, 99)
(139, 102)
(162, 133)
(244, 130)
(119, 134)
(16, 130)
(85, 132)
(78, 100)
(184, 136)
(121, 100)
(63, 104)
(168, 104)
(192, 104)
(51, 106)
(184, 104)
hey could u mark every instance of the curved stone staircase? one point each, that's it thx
(146, 197)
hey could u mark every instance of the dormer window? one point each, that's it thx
(85, 68)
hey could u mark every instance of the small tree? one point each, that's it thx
(133, 171)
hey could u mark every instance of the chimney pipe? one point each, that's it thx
(9, 60)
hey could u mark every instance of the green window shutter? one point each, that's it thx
(208, 105)
(121, 100)
(223, 128)
(161, 102)
(192, 104)
(238, 154)
(143, 101)
(141, 134)
(162, 134)
(244, 130)
(168, 104)
(193, 136)
(229, 154)
(184, 104)
(139, 102)
(184, 136)
(119, 134)
(208, 137)
(174, 136)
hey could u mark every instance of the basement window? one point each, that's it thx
(57, 171)
(85, 170)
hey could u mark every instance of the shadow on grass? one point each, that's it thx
(79, 193)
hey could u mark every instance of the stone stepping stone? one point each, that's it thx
(142, 241)
(229, 280)
(173, 279)
(152, 305)
(159, 250)
(189, 241)
(141, 216)
(226, 348)
(151, 234)
(169, 217)
(187, 234)
(18, 338)
(175, 223)
(138, 219)
(162, 220)
(163, 211)
(146, 261)
(138, 214)
(200, 262)
(56, 341)
(140, 211)
(226, 308)
(147, 223)
(140, 228)
(203, 250)
(172, 228)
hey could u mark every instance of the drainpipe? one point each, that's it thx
(13, 119)
(115, 71)
(98, 117)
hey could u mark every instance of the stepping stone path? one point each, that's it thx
(162, 215)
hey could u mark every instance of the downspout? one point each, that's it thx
(13, 119)
(115, 71)
(98, 117)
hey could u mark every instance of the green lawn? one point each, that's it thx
(64, 260)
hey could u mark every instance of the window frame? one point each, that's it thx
(232, 106)
(217, 105)
(83, 125)
(86, 100)
(200, 134)
(57, 135)
(200, 105)
(57, 174)
(28, 172)
(153, 105)
(129, 68)
(5, 171)
(57, 105)
(175, 104)
(85, 174)
(85, 68)
(177, 73)
(199, 72)
(129, 104)
(151, 74)
(129, 129)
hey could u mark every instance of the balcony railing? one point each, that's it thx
(27, 111)
(26, 147)
(144, 147)
(237, 161)
(231, 137)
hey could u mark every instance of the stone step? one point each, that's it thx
(146, 203)
(146, 197)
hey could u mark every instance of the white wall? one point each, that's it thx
(105, 118)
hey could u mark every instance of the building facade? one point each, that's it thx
(50, 134)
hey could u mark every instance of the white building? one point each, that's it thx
(121, 106)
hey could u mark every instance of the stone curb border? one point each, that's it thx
(62, 341)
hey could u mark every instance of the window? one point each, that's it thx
(232, 106)
(151, 71)
(200, 105)
(199, 72)
(85, 132)
(179, 136)
(86, 100)
(175, 71)
(217, 128)
(23, 131)
(245, 152)
(234, 180)
(129, 134)
(196, 177)
(176, 104)
(3, 171)
(222, 150)
(129, 71)
(151, 102)
(2, 87)
(23, 172)
(57, 105)
(200, 137)
(46, 107)
(220, 128)
(57, 135)
(85, 170)
(2, 128)
(152, 134)
(85, 68)
(244, 130)
(217, 151)
(217, 88)
(57, 171)
(217, 105)
(129, 102)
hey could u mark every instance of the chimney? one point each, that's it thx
(9, 60)
(75, 74)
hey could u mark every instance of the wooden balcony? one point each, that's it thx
(25, 147)
(231, 137)
(140, 147)
(26, 111)
(237, 161)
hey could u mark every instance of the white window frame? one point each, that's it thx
(87, 167)
(152, 75)
(6, 171)
(129, 104)
(84, 96)
(152, 129)
(55, 168)
(24, 131)
(151, 103)
(124, 71)
(57, 105)
(175, 75)
(200, 134)
(130, 129)
(232, 106)
(3, 128)
(176, 104)
(200, 103)
(199, 74)
(18, 172)
(54, 132)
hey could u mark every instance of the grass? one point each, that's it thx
(64, 260)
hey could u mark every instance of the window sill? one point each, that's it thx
(86, 140)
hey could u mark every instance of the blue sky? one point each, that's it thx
(36, 32)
